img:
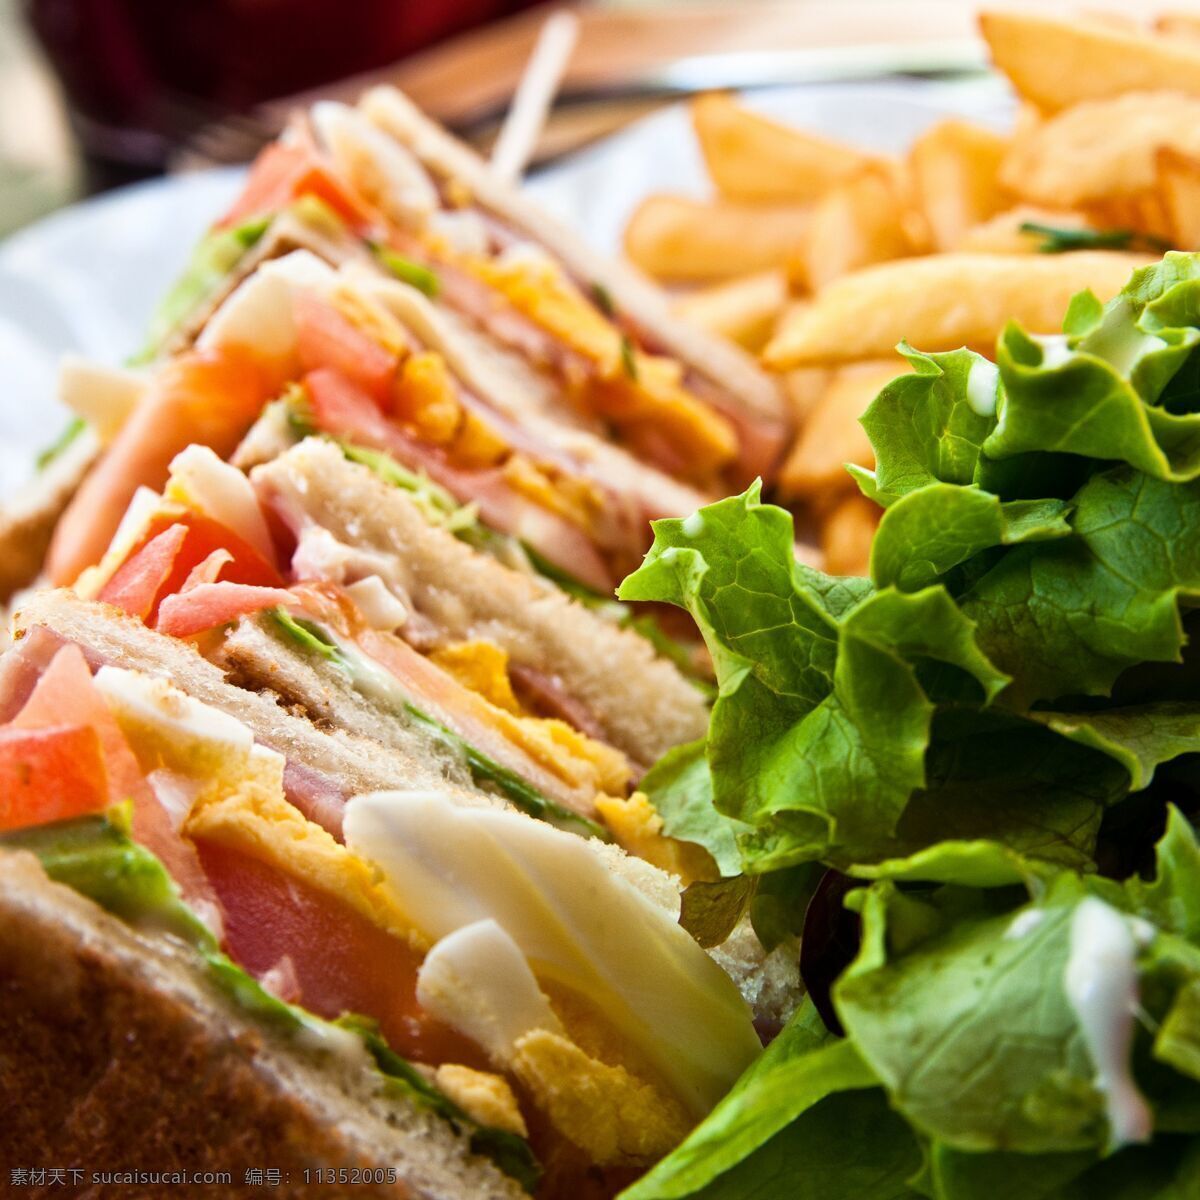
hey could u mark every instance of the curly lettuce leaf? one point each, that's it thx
(820, 728)
(929, 426)
(802, 1067)
(930, 531)
(960, 1005)
(1066, 617)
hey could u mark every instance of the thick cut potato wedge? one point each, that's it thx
(846, 536)
(744, 310)
(855, 224)
(1179, 189)
(1003, 233)
(681, 240)
(832, 436)
(954, 168)
(752, 158)
(944, 301)
(1101, 150)
(1058, 62)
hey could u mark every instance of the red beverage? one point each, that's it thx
(142, 75)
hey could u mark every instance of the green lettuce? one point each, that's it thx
(988, 737)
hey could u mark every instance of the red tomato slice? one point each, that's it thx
(325, 338)
(208, 605)
(284, 172)
(65, 694)
(269, 180)
(50, 774)
(203, 397)
(207, 536)
(341, 407)
(340, 961)
(138, 580)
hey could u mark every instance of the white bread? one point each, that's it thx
(725, 365)
(643, 703)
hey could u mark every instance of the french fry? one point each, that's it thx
(1058, 62)
(943, 301)
(744, 310)
(1179, 187)
(804, 388)
(1103, 149)
(846, 536)
(1179, 24)
(832, 436)
(855, 224)
(954, 168)
(1003, 234)
(682, 240)
(752, 158)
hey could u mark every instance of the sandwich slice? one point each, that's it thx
(362, 959)
(581, 354)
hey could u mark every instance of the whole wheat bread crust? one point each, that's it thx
(118, 1054)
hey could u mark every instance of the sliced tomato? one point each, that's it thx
(283, 172)
(65, 694)
(210, 398)
(340, 961)
(342, 407)
(207, 605)
(50, 774)
(325, 338)
(136, 583)
(207, 537)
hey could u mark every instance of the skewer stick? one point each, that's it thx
(534, 96)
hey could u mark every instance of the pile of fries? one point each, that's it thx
(822, 256)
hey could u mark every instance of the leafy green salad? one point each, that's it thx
(968, 782)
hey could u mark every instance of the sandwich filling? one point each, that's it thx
(621, 1033)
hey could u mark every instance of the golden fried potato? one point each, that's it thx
(954, 168)
(1179, 24)
(846, 536)
(681, 240)
(1100, 150)
(855, 224)
(744, 309)
(1179, 189)
(1003, 233)
(831, 436)
(1060, 61)
(752, 158)
(943, 301)
(803, 389)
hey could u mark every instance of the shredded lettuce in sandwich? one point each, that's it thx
(968, 782)
(484, 769)
(97, 857)
(72, 430)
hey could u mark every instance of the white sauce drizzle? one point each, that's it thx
(1100, 980)
(983, 387)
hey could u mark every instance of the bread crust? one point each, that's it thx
(641, 701)
(117, 1053)
(719, 361)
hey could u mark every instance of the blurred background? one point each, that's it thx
(96, 93)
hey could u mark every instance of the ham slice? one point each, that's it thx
(344, 411)
(207, 605)
(339, 961)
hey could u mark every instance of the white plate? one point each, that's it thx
(86, 279)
